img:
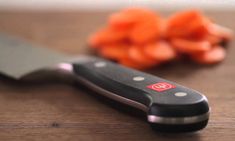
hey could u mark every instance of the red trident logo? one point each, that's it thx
(161, 86)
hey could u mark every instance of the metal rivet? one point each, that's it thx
(100, 64)
(138, 78)
(180, 94)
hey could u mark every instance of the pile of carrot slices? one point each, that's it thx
(140, 38)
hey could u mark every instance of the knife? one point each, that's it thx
(169, 107)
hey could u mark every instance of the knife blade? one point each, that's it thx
(169, 107)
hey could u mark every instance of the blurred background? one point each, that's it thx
(110, 5)
(66, 24)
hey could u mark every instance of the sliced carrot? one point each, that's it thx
(115, 52)
(214, 40)
(184, 24)
(145, 24)
(215, 34)
(141, 14)
(215, 55)
(121, 21)
(160, 50)
(189, 46)
(137, 54)
(219, 31)
(139, 38)
(106, 36)
(145, 32)
(130, 16)
(197, 34)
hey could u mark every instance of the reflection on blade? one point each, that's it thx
(18, 58)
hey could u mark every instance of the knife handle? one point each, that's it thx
(169, 106)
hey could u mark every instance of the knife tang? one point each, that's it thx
(169, 106)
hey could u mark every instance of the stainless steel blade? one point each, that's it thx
(18, 57)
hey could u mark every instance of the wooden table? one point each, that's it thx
(61, 112)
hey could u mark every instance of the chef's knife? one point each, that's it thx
(169, 106)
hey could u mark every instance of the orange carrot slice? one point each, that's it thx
(188, 46)
(214, 40)
(215, 55)
(160, 50)
(219, 31)
(184, 24)
(136, 54)
(145, 32)
(130, 16)
(115, 52)
(106, 36)
(121, 21)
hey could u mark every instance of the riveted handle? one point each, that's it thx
(165, 102)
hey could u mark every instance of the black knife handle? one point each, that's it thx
(169, 106)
